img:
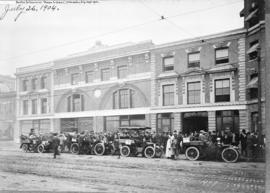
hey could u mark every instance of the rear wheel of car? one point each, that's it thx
(40, 148)
(25, 148)
(158, 152)
(99, 149)
(125, 151)
(229, 155)
(192, 153)
(74, 148)
(149, 152)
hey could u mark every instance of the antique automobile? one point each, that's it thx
(46, 143)
(132, 141)
(197, 149)
(30, 144)
(104, 148)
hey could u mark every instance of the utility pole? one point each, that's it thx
(259, 92)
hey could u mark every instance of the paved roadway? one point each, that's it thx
(26, 172)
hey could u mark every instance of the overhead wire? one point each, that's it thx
(161, 17)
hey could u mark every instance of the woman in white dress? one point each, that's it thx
(169, 150)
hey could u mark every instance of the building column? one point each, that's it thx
(56, 126)
(177, 122)
(243, 120)
(211, 120)
(153, 120)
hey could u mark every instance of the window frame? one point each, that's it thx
(195, 64)
(73, 77)
(87, 73)
(165, 95)
(71, 104)
(118, 71)
(34, 106)
(43, 82)
(25, 85)
(188, 92)
(215, 90)
(221, 61)
(171, 67)
(25, 107)
(107, 70)
(42, 105)
(117, 103)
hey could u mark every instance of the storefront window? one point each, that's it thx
(165, 122)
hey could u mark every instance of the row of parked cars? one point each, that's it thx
(128, 143)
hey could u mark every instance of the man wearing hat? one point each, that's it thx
(202, 136)
(55, 145)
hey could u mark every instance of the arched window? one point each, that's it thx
(123, 99)
(75, 103)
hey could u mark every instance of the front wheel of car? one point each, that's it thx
(40, 148)
(229, 155)
(74, 148)
(149, 152)
(99, 149)
(125, 151)
(192, 153)
(25, 148)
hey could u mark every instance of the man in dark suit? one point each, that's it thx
(55, 145)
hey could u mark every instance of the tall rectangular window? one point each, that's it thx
(34, 106)
(44, 105)
(105, 74)
(194, 59)
(168, 63)
(34, 83)
(168, 94)
(43, 82)
(25, 107)
(124, 98)
(76, 102)
(222, 90)
(89, 76)
(222, 55)
(75, 78)
(194, 92)
(122, 71)
(24, 85)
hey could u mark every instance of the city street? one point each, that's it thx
(27, 172)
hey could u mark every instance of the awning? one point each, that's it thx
(252, 14)
(242, 13)
(253, 48)
(253, 83)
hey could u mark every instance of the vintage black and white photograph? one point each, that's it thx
(139, 96)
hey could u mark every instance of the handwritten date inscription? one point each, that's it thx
(20, 9)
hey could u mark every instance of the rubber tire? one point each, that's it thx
(99, 145)
(125, 151)
(192, 148)
(25, 148)
(40, 148)
(74, 148)
(149, 148)
(158, 152)
(223, 155)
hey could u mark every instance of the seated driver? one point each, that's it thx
(32, 133)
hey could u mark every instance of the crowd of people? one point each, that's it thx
(251, 145)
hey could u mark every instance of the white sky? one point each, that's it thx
(43, 36)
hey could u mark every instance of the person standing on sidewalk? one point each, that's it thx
(55, 145)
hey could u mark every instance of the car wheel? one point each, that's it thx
(25, 148)
(192, 153)
(125, 151)
(158, 152)
(40, 148)
(74, 148)
(149, 152)
(229, 155)
(99, 149)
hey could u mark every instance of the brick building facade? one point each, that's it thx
(187, 85)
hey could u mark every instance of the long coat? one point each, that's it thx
(169, 149)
